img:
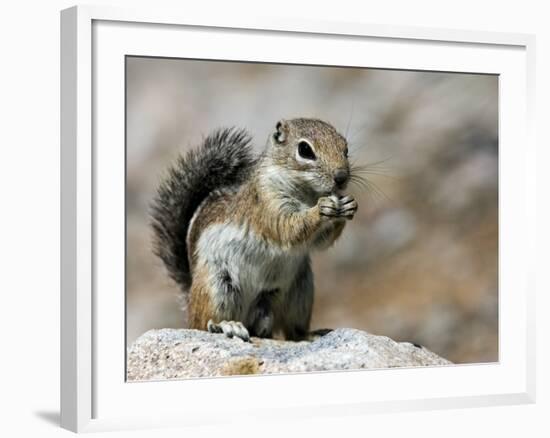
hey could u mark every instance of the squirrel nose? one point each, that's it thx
(341, 176)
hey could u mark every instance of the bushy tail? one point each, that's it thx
(224, 159)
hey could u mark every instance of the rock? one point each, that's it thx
(170, 353)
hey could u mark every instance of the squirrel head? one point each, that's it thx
(312, 153)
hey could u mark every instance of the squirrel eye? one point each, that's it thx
(346, 152)
(305, 151)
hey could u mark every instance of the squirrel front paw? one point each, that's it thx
(348, 206)
(337, 207)
(229, 329)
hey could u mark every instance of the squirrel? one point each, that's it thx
(235, 231)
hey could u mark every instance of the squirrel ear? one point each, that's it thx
(281, 132)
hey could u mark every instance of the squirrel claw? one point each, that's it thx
(230, 329)
(348, 207)
(348, 210)
(333, 207)
(328, 207)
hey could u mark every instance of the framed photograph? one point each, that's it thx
(338, 212)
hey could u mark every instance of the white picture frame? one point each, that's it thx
(94, 41)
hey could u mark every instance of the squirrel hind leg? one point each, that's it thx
(228, 308)
(230, 329)
(215, 303)
(261, 315)
(295, 313)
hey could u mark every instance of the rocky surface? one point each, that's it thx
(179, 353)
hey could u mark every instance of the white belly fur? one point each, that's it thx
(253, 264)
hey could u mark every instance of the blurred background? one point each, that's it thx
(419, 262)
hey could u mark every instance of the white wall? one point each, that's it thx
(29, 218)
